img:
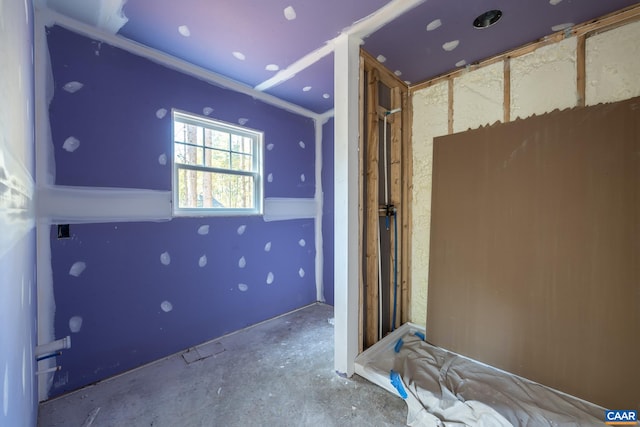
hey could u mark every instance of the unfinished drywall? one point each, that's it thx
(131, 292)
(535, 261)
(430, 120)
(477, 97)
(328, 216)
(540, 82)
(613, 65)
(544, 80)
(18, 401)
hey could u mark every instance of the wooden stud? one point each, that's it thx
(581, 70)
(395, 197)
(371, 212)
(450, 129)
(385, 76)
(405, 214)
(507, 90)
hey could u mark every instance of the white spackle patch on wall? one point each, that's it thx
(75, 324)
(242, 262)
(302, 243)
(71, 144)
(436, 23)
(430, 119)
(77, 268)
(270, 147)
(306, 88)
(73, 87)
(239, 55)
(202, 261)
(207, 110)
(554, 2)
(302, 178)
(478, 98)
(326, 96)
(563, 26)
(270, 278)
(613, 65)
(184, 31)
(270, 177)
(243, 121)
(272, 67)
(381, 59)
(290, 13)
(161, 112)
(397, 73)
(544, 80)
(166, 306)
(241, 230)
(165, 258)
(449, 46)
(203, 230)
(267, 247)
(242, 287)
(461, 63)
(301, 272)
(301, 144)
(162, 159)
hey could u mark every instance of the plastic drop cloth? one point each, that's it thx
(445, 389)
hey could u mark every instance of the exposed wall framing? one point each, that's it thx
(385, 259)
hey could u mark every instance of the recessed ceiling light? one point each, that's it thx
(487, 19)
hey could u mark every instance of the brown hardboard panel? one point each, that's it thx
(535, 250)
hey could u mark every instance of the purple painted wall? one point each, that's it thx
(18, 388)
(148, 290)
(328, 210)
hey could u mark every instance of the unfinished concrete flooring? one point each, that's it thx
(279, 373)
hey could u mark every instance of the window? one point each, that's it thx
(217, 168)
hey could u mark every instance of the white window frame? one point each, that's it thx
(257, 172)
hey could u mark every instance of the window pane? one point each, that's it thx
(179, 131)
(179, 153)
(247, 145)
(218, 159)
(241, 162)
(219, 139)
(236, 143)
(189, 153)
(199, 189)
(194, 134)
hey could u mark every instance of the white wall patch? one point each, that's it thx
(165, 258)
(239, 55)
(302, 243)
(161, 112)
(562, 27)
(267, 247)
(166, 306)
(77, 268)
(270, 278)
(243, 121)
(302, 178)
(202, 261)
(306, 88)
(241, 230)
(162, 159)
(301, 272)
(242, 287)
(436, 23)
(381, 59)
(75, 324)
(326, 96)
(270, 177)
(270, 147)
(71, 144)
(461, 63)
(554, 2)
(73, 87)
(184, 31)
(449, 46)
(272, 67)
(290, 13)
(207, 110)
(203, 230)
(301, 144)
(242, 262)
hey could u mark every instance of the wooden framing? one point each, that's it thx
(450, 112)
(399, 153)
(604, 23)
(361, 125)
(371, 209)
(507, 90)
(406, 213)
(581, 70)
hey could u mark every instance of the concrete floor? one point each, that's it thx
(279, 373)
